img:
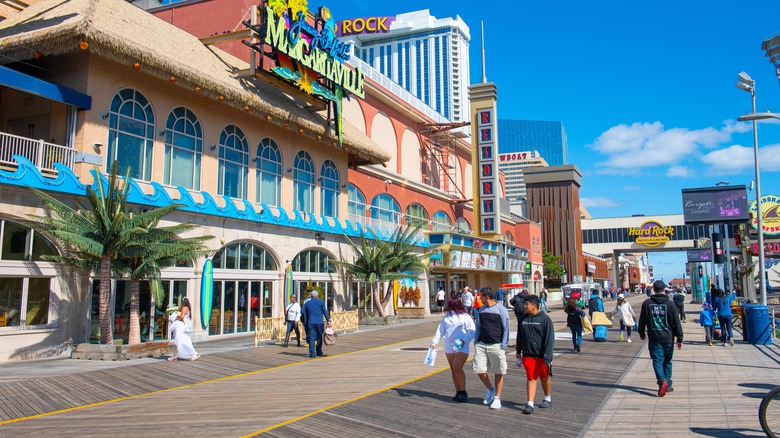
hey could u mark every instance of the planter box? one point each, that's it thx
(377, 320)
(120, 352)
(412, 312)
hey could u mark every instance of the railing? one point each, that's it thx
(41, 153)
(275, 328)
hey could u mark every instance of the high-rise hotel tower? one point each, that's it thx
(427, 56)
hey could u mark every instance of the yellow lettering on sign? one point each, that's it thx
(359, 25)
(347, 27)
(382, 24)
(369, 26)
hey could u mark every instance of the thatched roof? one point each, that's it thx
(118, 31)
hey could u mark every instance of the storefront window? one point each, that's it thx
(441, 222)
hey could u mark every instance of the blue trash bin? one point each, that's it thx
(756, 320)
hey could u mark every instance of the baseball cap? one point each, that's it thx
(659, 285)
(621, 296)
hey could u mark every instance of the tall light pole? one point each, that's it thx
(746, 83)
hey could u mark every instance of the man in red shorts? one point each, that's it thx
(535, 342)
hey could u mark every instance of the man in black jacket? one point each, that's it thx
(660, 321)
(535, 342)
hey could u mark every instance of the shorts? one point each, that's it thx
(535, 368)
(440, 303)
(489, 358)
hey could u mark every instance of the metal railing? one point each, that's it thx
(39, 152)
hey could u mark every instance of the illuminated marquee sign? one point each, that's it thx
(770, 220)
(488, 171)
(358, 26)
(651, 233)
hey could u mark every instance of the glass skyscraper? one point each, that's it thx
(426, 56)
(548, 138)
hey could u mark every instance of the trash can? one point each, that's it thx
(756, 323)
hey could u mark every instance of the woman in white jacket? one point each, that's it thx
(626, 315)
(292, 316)
(457, 330)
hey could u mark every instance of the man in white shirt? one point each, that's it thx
(468, 299)
(440, 299)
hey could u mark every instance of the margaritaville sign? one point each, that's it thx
(315, 48)
(651, 233)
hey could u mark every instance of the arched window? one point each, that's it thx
(329, 189)
(233, 162)
(268, 173)
(131, 134)
(303, 182)
(385, 212)
(417, 215)
(462, 225)
(508, 237)
(24, 292)
(183, 149)
(244, 256)
(441, 222)
(356, 205)
(312, 261)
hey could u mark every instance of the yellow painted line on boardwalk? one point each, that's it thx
(318, 411)
(191, 385)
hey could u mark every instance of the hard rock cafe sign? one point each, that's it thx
(651, 233)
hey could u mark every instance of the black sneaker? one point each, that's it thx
(528, 410)
(463, 397)
(545, 404)
(670, 389)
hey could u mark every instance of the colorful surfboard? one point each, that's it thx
(288, 285)
(206, 289)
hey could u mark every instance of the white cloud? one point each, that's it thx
(737, 159)
(651, 145)
(598, 202)
(632, 188)
(678, 172)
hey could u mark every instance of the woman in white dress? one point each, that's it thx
(457, 329)
(181, 339)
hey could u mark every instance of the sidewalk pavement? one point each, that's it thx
(717, 390)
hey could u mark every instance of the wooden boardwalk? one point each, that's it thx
(369, 385)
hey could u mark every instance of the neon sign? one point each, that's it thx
(488, 177)
(651, 233)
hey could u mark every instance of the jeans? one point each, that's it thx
(314, 333)
(576, 335)
(725, 328)
(293, 325)
(626, 328)
(661, 355)
(708, 332)
(543, 304)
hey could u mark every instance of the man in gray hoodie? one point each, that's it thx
(660, 321)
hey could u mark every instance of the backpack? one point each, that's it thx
(594, 305)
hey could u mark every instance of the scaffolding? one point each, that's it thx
(439, 145)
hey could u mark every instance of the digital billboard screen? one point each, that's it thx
(715, 205)
(700, 255)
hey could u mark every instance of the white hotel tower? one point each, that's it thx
(426, 56)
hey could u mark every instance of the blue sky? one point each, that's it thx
(645, 90)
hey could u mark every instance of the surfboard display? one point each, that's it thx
(206, 289)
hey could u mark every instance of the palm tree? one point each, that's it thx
(377, 261)
(145, 258)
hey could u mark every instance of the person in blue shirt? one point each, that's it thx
(315, 314)
(722, 304)
(707, 320)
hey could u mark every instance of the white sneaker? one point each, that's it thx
(629, 340)
(489, 396)
(496, 403)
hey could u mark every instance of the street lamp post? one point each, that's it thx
(746, 83)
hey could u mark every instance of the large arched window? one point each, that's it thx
(441, 222)
(303, 182)
(356, 205)
(233, 162)
(462, 225)
(329, 189)
(244, 256)
(24, 291)
(268, 173)
(417, 215)
(131, 134)
(312, 261)
(385, 212)
(183, 149)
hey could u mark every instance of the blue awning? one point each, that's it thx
(30, 84)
